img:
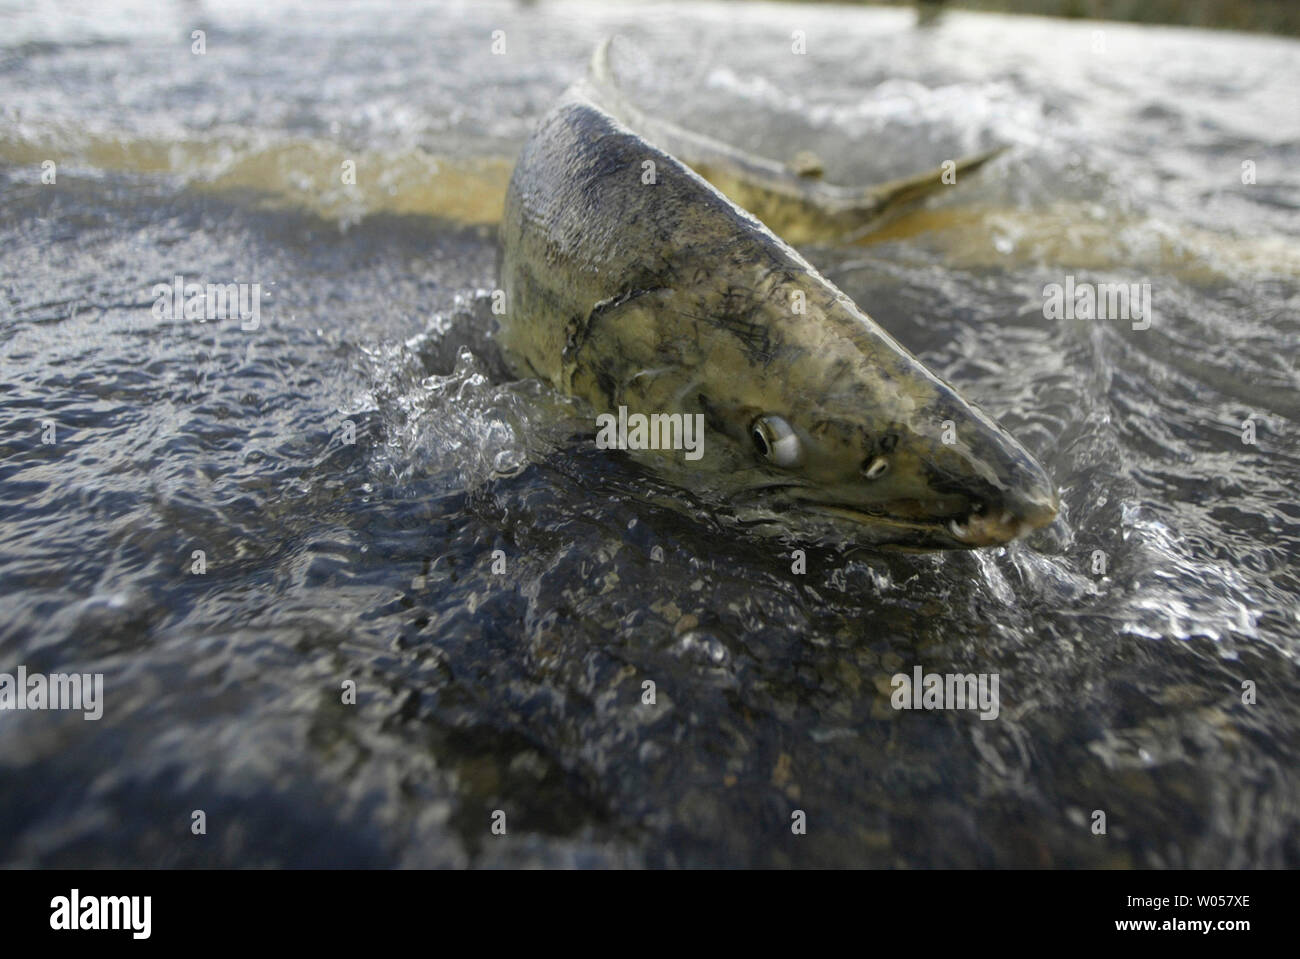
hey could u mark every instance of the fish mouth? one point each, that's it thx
(970, 529)
(966, 526)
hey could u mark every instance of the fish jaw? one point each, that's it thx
(998, 494)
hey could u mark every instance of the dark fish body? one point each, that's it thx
(632, 282)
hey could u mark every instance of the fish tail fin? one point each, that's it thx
(791, 199)
(885, 198)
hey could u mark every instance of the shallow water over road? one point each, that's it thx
(1121, 635)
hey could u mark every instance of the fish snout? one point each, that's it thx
(999, 522)
(1004, 492)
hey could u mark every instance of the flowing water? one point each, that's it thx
(231, 524)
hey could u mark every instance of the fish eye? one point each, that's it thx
(775, 440)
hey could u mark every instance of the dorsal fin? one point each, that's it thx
(793, 200)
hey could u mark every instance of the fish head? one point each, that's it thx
(833, 418)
